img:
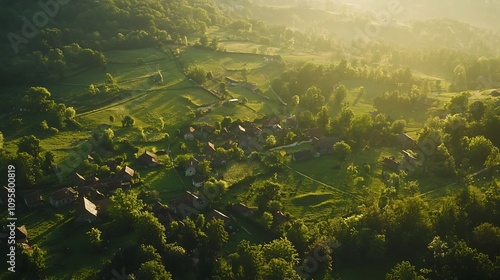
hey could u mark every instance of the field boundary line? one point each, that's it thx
(323, 184)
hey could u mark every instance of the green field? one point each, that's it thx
(313, 190)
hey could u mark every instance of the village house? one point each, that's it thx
(219, 160)
(187, 204)
(80, 180)
(21, 234)
(410, 162)
(406, 141)
(162, 212)
(207, 131)
(102, 206)
(86, 211)
(280, 218)
(215, 214)
(249, 144)
(209, 148)
(63, 197)
(240, 130)
(198, 180)
(111, 186)
(126, 174)
(33, 199)
(148, 159)
(315, 133)
(291, 123)
(190, 167)
(390, 165)
(252, 87)
(303, 155)
(324, 146)
(189, 133)
(230, 81)
(243, 210)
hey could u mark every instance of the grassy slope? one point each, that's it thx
(172, 100)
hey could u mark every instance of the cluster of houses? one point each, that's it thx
(321, 145)
(409, 160)
(190, 204)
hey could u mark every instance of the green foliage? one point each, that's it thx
(36, 260)
(342, 150)
(125, 208)
(407, 226)
(271, 141)
(404, 271)
(339, 96)
(70, 113)
(275, 160)
(94, 235)
(217, 235)
(37, 100)
(128, 121)
(153, 270)
(313, 99)
(197, 74)
(30, 145)
(149, 231)
(269, 192)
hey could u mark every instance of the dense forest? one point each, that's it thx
(252, 139)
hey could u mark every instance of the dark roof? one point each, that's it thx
(227, 79)
(391, 164)
(215, 214)
(188, 199)
(208, 128)
(210, 147)
(251, 86)
(33, 199)
(303, 155)
(198, 178)
(63, 193)
(102, 205)
(148, 157)
(113, 185)
(280, 217)
(219, 161)
(324, 143)
(79, 177)
(127, 171)
(189, 129)
(86, 206)
(405, 138)
(315, 133)
(242, 209)
(229, 144)
(23, 232)
(191, 163)
(241, 128)
(408, 155)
